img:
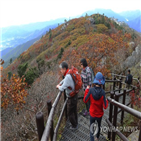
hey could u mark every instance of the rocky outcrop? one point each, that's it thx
(91, 20)
(132, 44)
(64, 25)
(134, 58)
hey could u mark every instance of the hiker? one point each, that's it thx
(86, 76)
(128, 79)
(69, 86)
(96, 95)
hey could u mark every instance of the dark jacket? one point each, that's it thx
(129, 78)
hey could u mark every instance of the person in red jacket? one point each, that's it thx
(96, 95)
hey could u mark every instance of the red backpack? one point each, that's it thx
(77, 80)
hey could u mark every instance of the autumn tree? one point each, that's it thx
(13, 91)
(99, 51)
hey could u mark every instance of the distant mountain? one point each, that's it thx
(6, 63)
(4, 52)
(133, 19)
(131, 15)
(107, 12)
(15, 52)
(135, 24)
(40, 25)
(15, 35)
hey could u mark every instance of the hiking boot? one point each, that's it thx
(73, 128)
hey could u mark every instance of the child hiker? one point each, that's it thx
(96, 95)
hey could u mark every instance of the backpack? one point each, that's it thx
(77, 80)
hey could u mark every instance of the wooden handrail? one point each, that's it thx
(123, 76)
(59, 121)
(112, 80)
(46, 133)
(125, 108)
(49, 124)
(126, 105)
(117, 131)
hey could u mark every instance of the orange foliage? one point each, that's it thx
(84, 38)
(13, 92)
(99, 51)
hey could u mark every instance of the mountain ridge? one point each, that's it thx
(72, 35)
(27, 28)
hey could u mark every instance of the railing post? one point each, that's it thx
(114, 84)
(66, 116)
(120, 84)
(132, 98)
(115, 118)
(40, 124)
(110, 113)
(140, 133)
(49, 106)
(104, 87)
(123, 102)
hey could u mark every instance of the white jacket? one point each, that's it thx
(65, 83)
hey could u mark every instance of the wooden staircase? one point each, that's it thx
(83, 131)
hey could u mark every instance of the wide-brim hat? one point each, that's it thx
(99, 79)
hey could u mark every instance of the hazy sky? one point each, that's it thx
(16, 12)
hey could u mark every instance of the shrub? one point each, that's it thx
(22, 68)
(30, 75)
(108, 25)
(120, 28)
(48, 64)
(94, 30)
(69, 42)
(70, 27)
(60, 53)
(9, 75)
(101, 28)
(41, 63)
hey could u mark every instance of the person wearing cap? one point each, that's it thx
(98, 101)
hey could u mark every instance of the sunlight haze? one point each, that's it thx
(17, 12)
